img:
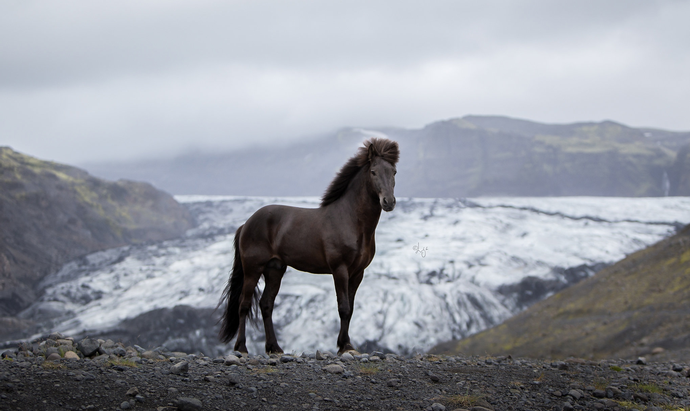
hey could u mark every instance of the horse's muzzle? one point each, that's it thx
(388, 204)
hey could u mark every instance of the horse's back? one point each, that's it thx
(292, 235)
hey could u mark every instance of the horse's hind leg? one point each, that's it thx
(273, 275)
(251, 278)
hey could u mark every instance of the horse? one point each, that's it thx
(336, 238)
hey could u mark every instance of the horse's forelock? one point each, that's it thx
(382, 147)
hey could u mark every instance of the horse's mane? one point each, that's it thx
(384, 148)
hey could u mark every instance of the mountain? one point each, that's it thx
(444, 269)
(638, 306)
(52, 213)
(464, 157)
(679, 177)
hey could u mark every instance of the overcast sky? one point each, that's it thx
(88, 80)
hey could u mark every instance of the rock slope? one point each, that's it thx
(52, 213)
(638, 306)
(103, 375)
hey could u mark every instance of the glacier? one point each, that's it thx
(438, 272)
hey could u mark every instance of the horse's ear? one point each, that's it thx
(372, 151)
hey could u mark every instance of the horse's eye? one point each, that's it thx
(395, 172)
(373, 173)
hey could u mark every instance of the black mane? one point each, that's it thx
(384, 148)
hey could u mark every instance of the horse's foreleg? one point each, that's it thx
(250, 280)
(341, 280)
(273, 278)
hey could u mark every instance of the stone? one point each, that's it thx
(393, 382)
(133, 392)
(483, 403)
(347, 357)
(125, 405)
(287, 358)
(231, 359)
(434, 377)
(567, 406)
(181, 367)
(641, 361)
(576, 394)
(334, 369)
(677, 367)
(88, 347)
(53, 357)
(438, 407)
(152, 355)
(233, 380)
(640, 396)
(319, 356)
(599, 394)
(119, 351)
(615, 392)
(188, 404)
(71, 355)
(56, 336)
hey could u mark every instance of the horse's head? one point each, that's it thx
(382, 171)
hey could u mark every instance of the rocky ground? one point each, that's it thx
(59, 374)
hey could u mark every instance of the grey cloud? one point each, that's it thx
(91, 80)
(54, 43)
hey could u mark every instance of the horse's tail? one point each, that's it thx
(230, 322)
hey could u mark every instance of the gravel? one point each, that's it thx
(176, 381)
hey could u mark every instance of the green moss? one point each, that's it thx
(629, 405)
(123, 362)
(464, 400)
(649, 387)
(50, 365)
(685, 257)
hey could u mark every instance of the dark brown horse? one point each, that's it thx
(337, 238)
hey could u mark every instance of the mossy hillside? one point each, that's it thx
(127, 207)
(501, 156)
(51, 213)
(626, 310)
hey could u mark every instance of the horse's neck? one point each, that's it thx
(358, 206)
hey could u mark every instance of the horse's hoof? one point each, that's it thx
(274, 350)
(347, 348)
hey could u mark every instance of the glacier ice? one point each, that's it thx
(408, 300)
